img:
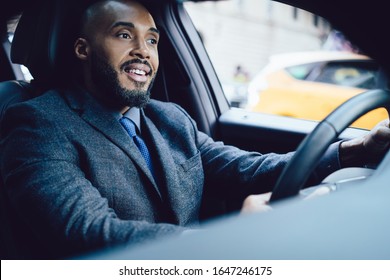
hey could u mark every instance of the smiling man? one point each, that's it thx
(119, 53)
(101, 164)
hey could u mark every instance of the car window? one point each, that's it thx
(301, 72)
(277, 59)
(351, 74)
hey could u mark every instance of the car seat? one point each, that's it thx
(38, 44)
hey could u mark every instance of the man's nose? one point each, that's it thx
(140, 49)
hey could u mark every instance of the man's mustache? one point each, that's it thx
(137, 60)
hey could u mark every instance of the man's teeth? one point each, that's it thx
(137, 71)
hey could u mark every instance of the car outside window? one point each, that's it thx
(360, 75)
(277, 59)
(301, 72)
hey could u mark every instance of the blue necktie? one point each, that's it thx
(131, 130)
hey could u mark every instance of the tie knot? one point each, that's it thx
(129, 126)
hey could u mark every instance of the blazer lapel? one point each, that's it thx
(167, 164)
(106, 123)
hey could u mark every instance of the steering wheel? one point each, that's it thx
(313, 147)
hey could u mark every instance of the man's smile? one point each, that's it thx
(139, 72)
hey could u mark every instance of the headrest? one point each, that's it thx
(43, 40)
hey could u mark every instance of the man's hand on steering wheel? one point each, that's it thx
(368, 149)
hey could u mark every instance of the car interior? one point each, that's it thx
(42, 42)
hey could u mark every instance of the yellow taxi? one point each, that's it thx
(310, 85)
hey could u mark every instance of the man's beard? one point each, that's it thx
(111, 92)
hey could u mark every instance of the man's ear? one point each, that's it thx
(81, 48)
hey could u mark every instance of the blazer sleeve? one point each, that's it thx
(237, 173)
(51, 194)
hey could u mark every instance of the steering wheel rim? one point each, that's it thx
(303, 162)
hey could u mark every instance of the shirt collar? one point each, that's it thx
(134, 114)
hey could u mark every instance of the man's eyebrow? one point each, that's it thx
(131, 25)
(123, 23)
(155, 30)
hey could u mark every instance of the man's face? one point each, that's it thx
(122, 56)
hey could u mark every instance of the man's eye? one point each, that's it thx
(153, 41)
(124, 36)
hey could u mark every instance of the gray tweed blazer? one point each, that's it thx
(78, 182)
